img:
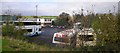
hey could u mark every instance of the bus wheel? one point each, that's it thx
(36, 33)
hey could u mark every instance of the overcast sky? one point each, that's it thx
(55, 7)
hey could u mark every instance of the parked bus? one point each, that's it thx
(76, 36)
(32, 28)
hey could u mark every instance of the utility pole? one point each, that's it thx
(114, 9)
(36, 10)
(93, 8)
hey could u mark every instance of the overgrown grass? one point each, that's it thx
(0, 43)
(53, 17)
(10, 44)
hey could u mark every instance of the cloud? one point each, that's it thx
(59, 1)
(55, 8)
(87, 0)
(28, 1)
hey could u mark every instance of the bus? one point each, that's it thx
(32, 27)
(84, 37)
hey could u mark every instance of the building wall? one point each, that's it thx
(0, 20)
(119, 7)
(46, 22)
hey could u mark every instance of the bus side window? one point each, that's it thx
(29, 30)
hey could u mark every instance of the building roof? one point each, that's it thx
(27, 19)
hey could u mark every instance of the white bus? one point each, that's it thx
(32, 28)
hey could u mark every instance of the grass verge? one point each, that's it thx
(10, 44)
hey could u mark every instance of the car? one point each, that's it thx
(52, 26)
(61, 26)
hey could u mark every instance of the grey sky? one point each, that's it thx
(59, 0)
(56, 7)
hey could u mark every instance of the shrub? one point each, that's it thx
(11, 31)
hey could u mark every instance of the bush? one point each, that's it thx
(11, 31)
(107, 25)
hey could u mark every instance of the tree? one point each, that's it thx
(107, 24)
(63, 19)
